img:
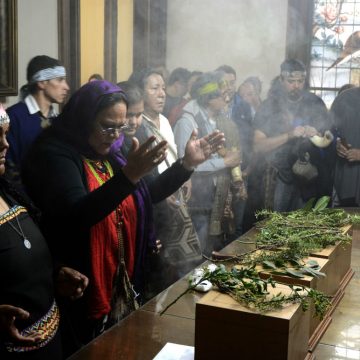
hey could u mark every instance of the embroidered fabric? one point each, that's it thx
(47, 326)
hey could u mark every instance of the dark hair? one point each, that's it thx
(133, 93)
(36, 64)
(196, 73)
(346, 87)
(179, 74)
(255, 81)
(291, 65)
(227, 69)
(95, 77)
(109, 100)
(140, 77)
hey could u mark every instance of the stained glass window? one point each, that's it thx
(335, 50)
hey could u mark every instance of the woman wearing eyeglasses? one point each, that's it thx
(97, 207)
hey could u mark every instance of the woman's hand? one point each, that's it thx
(199, 150)
(142, 159)
(8, 315)
(71, 283)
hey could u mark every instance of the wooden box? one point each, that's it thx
(339, 270)
(225, 329)
(316, 326)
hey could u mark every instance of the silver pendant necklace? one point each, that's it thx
(27, 243)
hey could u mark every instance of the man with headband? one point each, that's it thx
(295, 170)
(46, 85)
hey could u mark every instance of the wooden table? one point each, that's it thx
(144, 333)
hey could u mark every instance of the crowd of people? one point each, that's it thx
(108, 203)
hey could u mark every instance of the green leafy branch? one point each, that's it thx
(246, 287)
(299, 233)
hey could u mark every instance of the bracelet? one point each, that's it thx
(187, 168)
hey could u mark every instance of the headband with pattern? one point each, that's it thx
(294, 74)
(48, 74)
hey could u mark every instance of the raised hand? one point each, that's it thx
(8, 330)
(142, 159)
(199, 150)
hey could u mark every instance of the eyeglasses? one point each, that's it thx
(113, 131)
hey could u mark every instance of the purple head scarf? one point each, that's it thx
(84, 102)
(75, 122)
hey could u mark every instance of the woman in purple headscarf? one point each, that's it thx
(96, 209)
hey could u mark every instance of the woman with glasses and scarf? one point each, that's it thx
(96, 205)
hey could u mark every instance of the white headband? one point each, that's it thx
(48, 74)
(294, 74)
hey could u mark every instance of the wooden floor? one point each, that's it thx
(144, 333)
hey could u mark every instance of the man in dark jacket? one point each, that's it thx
(285, 124)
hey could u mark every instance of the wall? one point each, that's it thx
(91, 38)
(37, 35)
(92, 30)
(246, 34)
(125, 39)
(202, 34)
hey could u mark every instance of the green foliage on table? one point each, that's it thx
(245, 286)
(285, 240)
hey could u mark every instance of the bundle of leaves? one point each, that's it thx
(285, 240)
(304, 231)
(245, 286)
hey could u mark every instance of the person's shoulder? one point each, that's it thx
(348, 97)
(49, 144)
(186, 119)
(18, 109)
(267, 103)
(266, 108)
(311, 97)
(184, 125)
(192, 107)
